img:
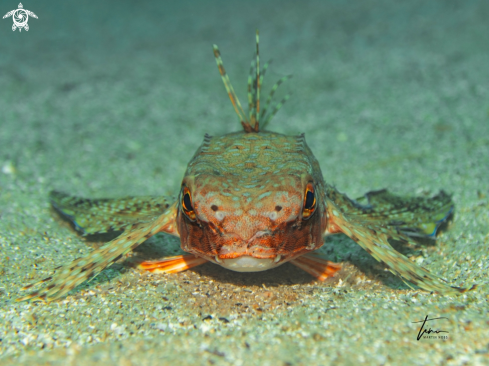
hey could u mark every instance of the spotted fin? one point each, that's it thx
(373, 236)
(68, 277)
(93, 216)
(415, 216)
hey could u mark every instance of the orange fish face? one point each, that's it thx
(253, 207)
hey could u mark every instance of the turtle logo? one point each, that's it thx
(20, 17)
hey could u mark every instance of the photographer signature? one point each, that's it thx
(423, 331)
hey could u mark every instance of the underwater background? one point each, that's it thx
(110, 99)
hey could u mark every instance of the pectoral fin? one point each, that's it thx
(373, 234)
(94, 216)
(415, 216)
(68, 277)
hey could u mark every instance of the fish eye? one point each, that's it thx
(187, 207)
(309, 202)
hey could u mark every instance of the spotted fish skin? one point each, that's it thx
(254, 195)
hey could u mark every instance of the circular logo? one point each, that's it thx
(20, 18)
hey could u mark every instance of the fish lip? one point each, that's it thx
(261, 251)
(255, 251)
(238, 249)
(233, 250)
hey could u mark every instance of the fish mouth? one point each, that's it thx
(241, 258)
(237, 250)
(260, 245)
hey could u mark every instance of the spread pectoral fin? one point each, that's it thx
(68, 277)
(374, 238)
(415, 216)
(94, 216)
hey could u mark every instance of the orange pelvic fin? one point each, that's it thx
(174, 264)
(317, 267)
